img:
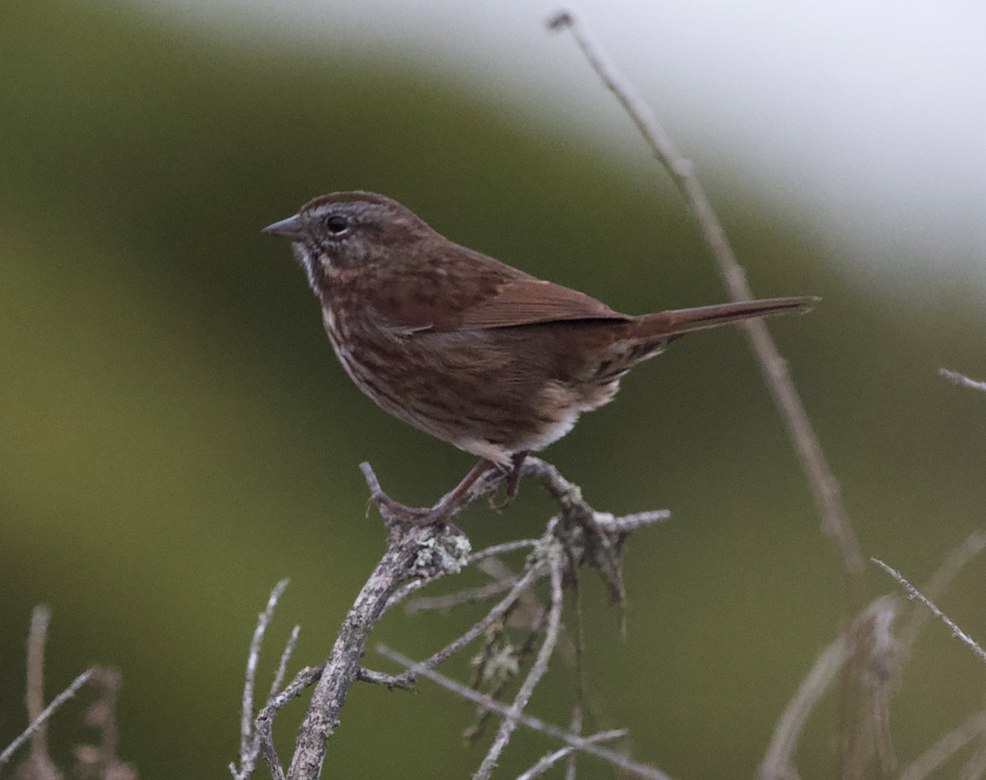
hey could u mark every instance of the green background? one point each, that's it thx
(176, 435)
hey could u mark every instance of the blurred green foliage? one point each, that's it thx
(175, 434)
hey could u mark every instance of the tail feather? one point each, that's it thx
(678, 321)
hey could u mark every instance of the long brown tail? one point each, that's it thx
(678, 321)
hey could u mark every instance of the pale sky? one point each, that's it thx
(865, 117)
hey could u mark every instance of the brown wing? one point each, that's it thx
(529, 301)
(466, 289)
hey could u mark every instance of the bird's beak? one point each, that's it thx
(289, 228)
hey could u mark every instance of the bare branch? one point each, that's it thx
(577, 742)
(835, 522)
(412, 551)
(868, 651)
(874, 674)
(916, 594)
(418, 553)
(264, 723)
(959, 379)
(555, 560)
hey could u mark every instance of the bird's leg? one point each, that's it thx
(513, 476)
(443, 509)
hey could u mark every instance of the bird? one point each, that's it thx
(477, 353)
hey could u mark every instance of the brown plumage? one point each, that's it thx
(464, 347)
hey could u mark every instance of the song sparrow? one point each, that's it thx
(464, 347)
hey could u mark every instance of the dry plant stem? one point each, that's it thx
(507, 726)
(583, 744)
(867, 643)
(826, 491)
(411, 551)
(100, 760)
(959, 379)
(914, 593)
(34, 696)
(778, 763)
(975, 767)
(874, 674)
(944, 748)
(39, 762)
(109, 680)
(546, 762)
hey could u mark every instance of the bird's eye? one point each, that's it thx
(337, 224)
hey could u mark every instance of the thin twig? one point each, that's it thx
(916, 618)
(264, 723)
(546, 762)
(247, 743)
(825, 488)
(534, 573)
(446, 602)
(48, 711)
(537, 671)
(501, 549)
(959, 379)
(282, 666)
(392, 681)
(916, 594)
(602, 533)
(579, 743)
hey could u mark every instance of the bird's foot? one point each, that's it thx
(513, 474)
